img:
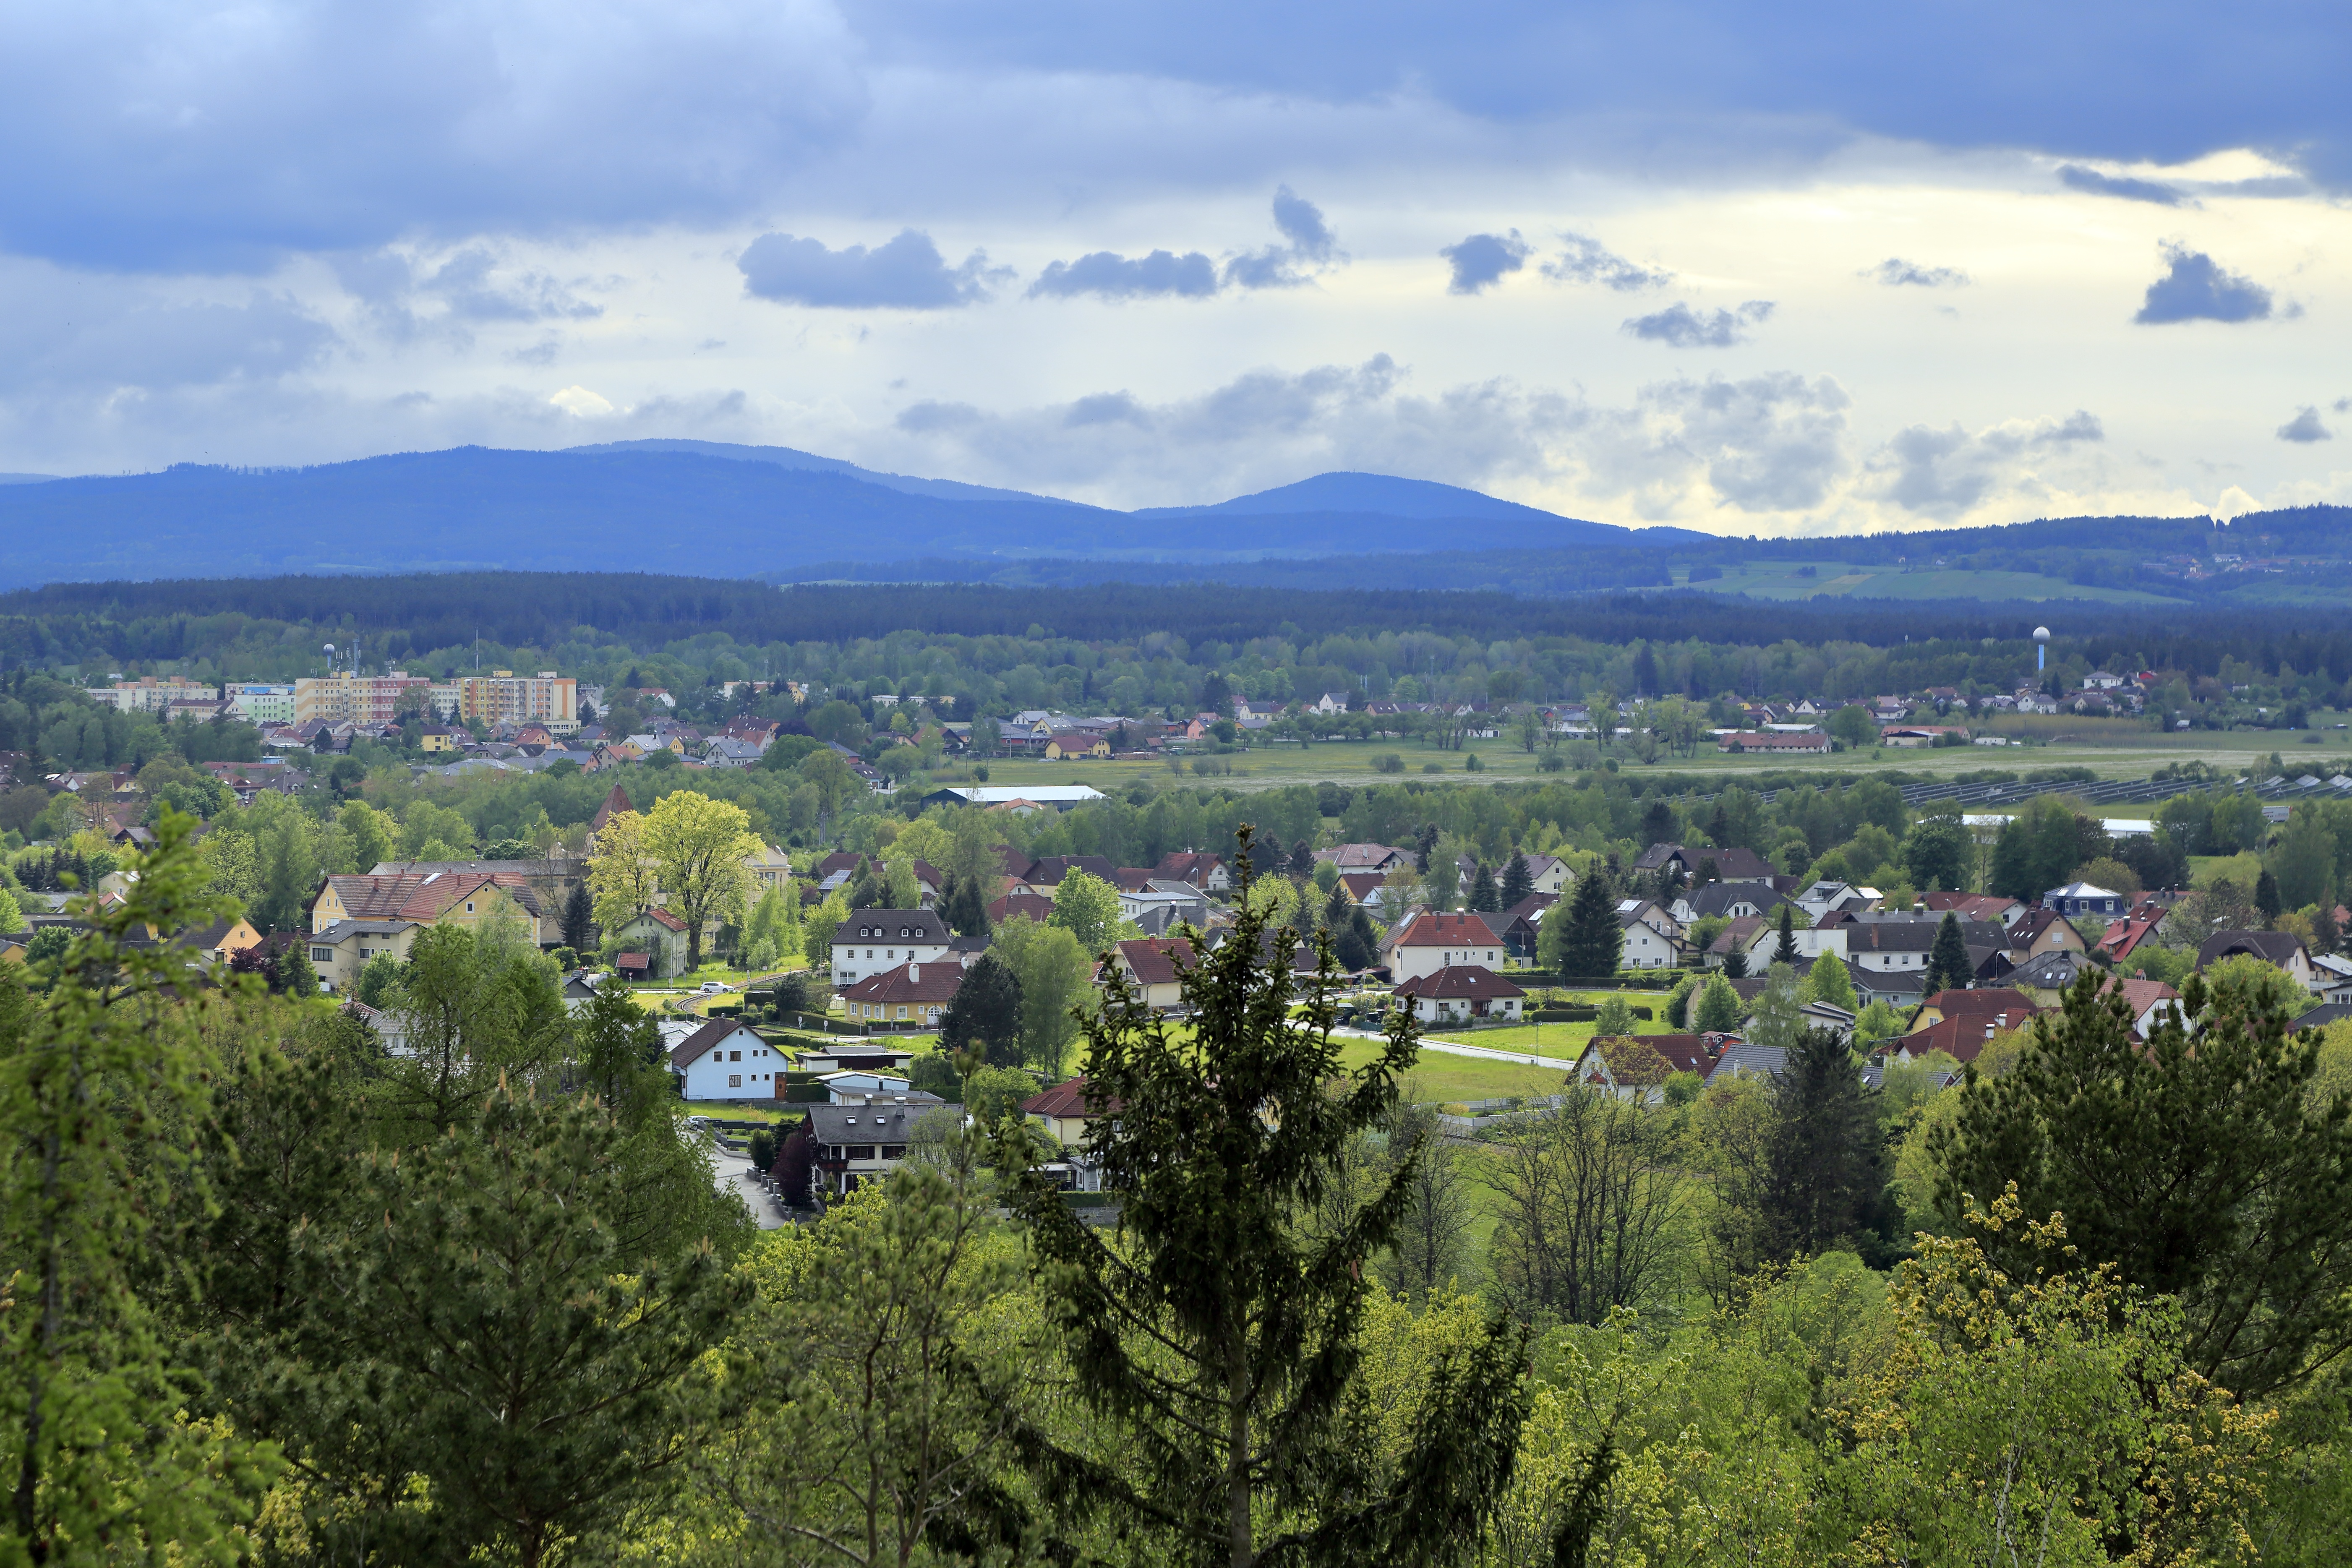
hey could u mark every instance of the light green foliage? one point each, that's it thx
(1087, 907)
(1876, 1023)
(819, 924)
(1774, 1017)
(12, 918)
(373, 836)
(773, 931)
(2045, 1414)
(1828, 981)
(1615, 1015)
(1053, 971)
(902, 1388)
(1718, 1009)
(992, 1092)
(2244, 981)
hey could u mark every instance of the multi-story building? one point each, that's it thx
(502, 697)
(260, 703)
(153, 694)
(343, 697)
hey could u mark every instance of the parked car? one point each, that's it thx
(714, 987)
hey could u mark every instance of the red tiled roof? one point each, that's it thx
(1968, 906)
(614, 803)
(423, 895)
(1999, 999)
(1362, 885)
(1962, 1038)
(665, 918)
(1429, 929)
(925, 982)
(1157, 961)
(1187, 865)
(1036, 906)
(1068, 1100)
(1460, 982)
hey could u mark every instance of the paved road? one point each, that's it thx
(1482, 1053)
(733, 1173)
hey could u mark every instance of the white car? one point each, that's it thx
(714, 987)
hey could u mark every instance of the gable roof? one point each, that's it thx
(2278, 947)
(1970, 906)
(1184, 864)
(1997, 999)
(911, 983)
(1716, 897)
(1050, 870)
(1460, 982)
(1427, 930)
(1157, 961)
(422, 896)
(1068, 1100)
(1362, 857)
(1036, 906)
(710, 1038)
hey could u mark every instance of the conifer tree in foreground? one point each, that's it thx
(1589, 944)
(1214, 1337)
(1949, 968)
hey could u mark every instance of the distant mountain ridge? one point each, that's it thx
(687, 507)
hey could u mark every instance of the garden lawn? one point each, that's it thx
(1438, 1078)
(2245, 868)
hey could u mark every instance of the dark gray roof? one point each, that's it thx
(882, 1122)
(2053, 971)
(2277, 947)
(1717, 898)
(893, 925)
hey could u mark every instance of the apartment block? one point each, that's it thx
(153, 694)
(502, 697)
(261, 704)
(359, 699)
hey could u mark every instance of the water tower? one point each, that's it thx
(2040, 647)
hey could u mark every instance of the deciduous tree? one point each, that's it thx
(700, 844)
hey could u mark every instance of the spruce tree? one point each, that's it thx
(580, 919)
(1215, 1346)
(1949, 968)
(1517, 883)
(1484, 898)
(984, 1015)
(1826, 1179)
(1785, 950)
(1588, 944)
(2266, 899)
(295, 975)
(1735, 964)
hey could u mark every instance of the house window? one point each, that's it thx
(323, 955)
(735, 1056)
(469, 906)
(734, 1080)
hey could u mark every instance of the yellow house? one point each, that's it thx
(1065, 747)
(438, 738)
(341, 950)
(771, 867)
(421, 898)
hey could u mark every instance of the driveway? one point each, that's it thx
(733, 1174)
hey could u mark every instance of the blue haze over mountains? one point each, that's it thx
(696, 508)
(702, 508)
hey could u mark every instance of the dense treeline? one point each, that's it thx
(285, 1296)
(1001, 649)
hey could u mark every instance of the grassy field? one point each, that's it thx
(1438, 1077)
(1839, 580)
(2113, 748)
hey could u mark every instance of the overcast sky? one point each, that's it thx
(1735, 266)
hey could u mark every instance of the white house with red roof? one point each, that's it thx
(727, 1059)
(1461, 992)
(1429, 942)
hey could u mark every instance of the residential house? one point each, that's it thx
(1364, 888)
(2005, 1005)
(868, 1141)
(871, 941)
(725, 1059)
(1048, 872)
(1071, 745)
(1731, 900)
(1731, 865)
(2084, 899)
(1740, 936)
(1974, 906)
(1021, 902)
(1546, 873)
(911, 996)
(1636, 1066)
(1381, 858)
(1430, 942)
(1808, 743)
(1155, 967)
(1206, 872)
(340, 949)
(2040, 930)
(1961, 1036)
(2048, 976)
(1458, 994)
(2151, 1002)
(656, 936)
(1158, 906)
(1740, 1058)
(1823, 899)
(2123, 937)
(219, 941)
(461, 897)
(441, 738)
(2280, 949)
(1652, 941)
(1521, 925)
(771, 867)
(1901, 942)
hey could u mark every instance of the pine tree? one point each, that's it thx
(1517, 883)
(1735, 964)
(1335, 907)
(1949, 968)
(1786, 951)
(580, 919)
(2266, 898)
(1216, 1346)
(1826, 1179)
(1590, 943)
(2204, 1169)
(1484, 898)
